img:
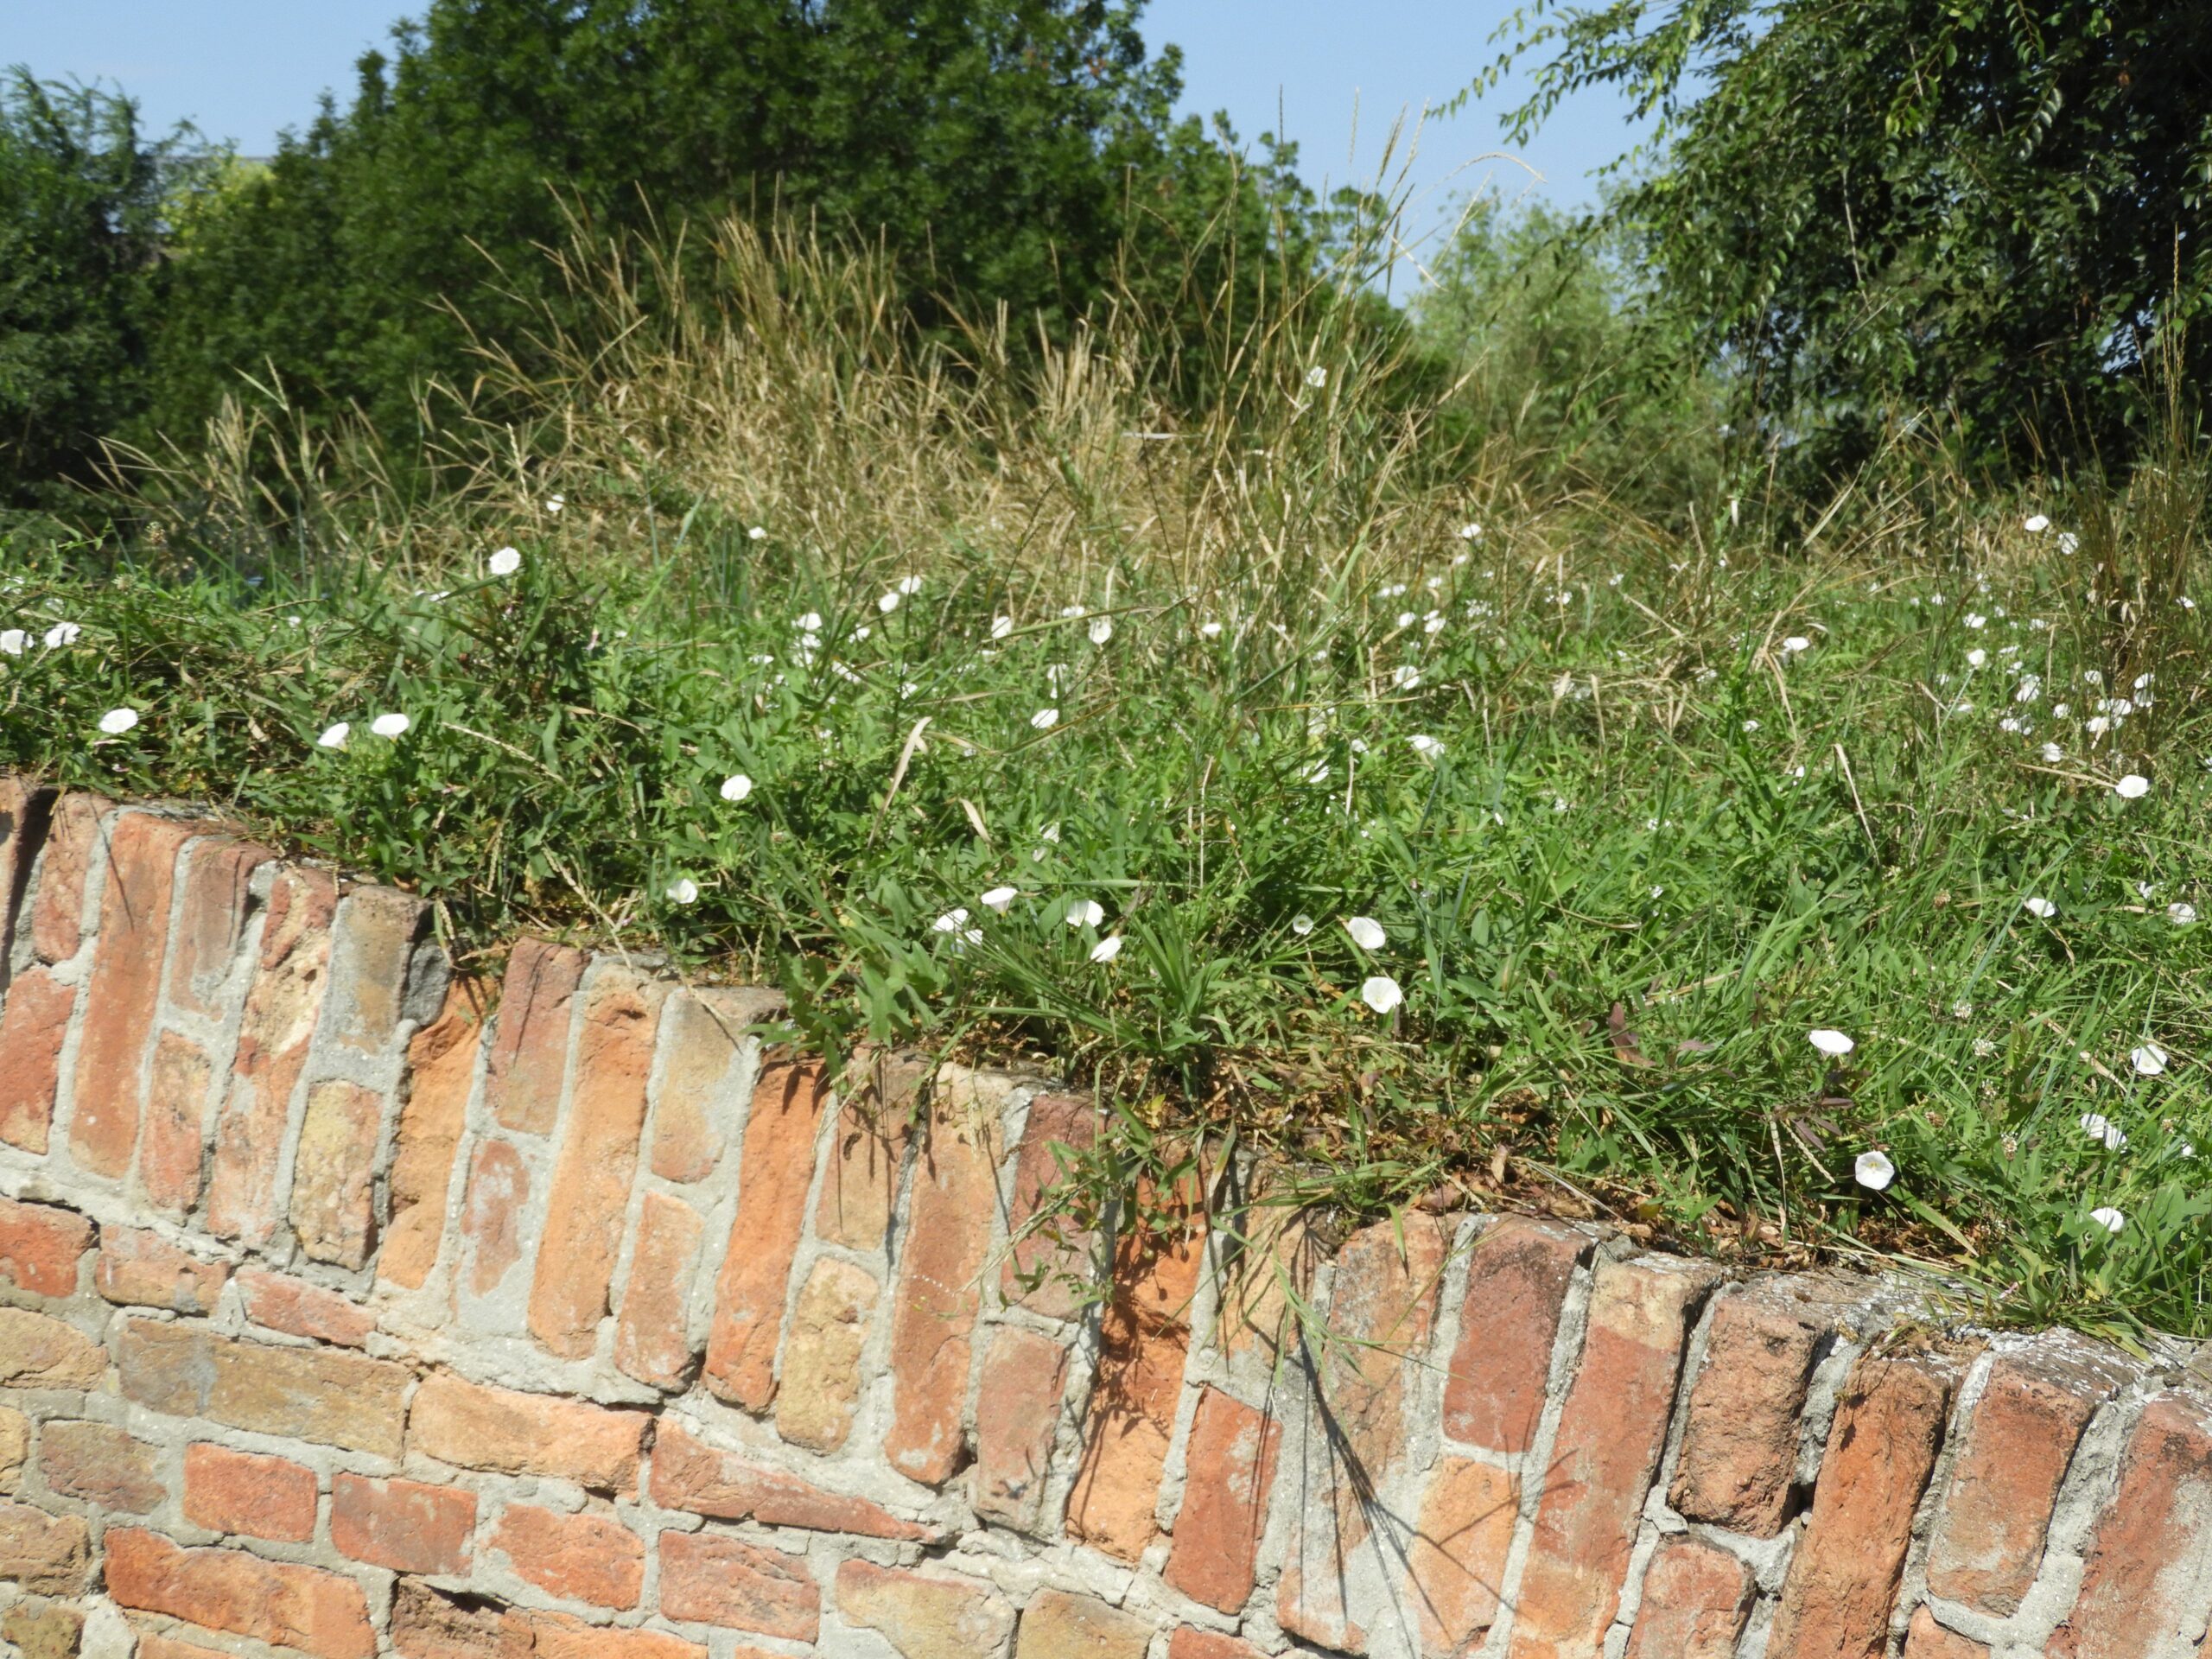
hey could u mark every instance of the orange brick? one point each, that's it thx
(333, 1172)
(477, 1427)
(776, 1168)
(868, 1148)
(1230, 1461)
(1017, 1411)
(691, 1475)
(530, 1048)
(1189, 1642)
(41, 1247)
(441, 1069)
(320, 1613)
(1517, 1279)
(589, 1557)
(1458, 1560)
(1928, 1639)
(243, 1493)
(173, 1148)
(713, 1580)
(1739, 1443)
(300, 1309)
(406, 1525)
(211, 918)
(38, 1352)
(142, 1269)
(1697, 1598)
(652, 1340)
(74, 839)
(32, 1027)
(2138, 1579)
(1050, 1263)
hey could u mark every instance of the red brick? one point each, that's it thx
(1928, 1639)
(1382, 1309)
(38, 1352)
(142, 1269)
(172, 1149)
(2139, 1581)
(26, 808)
(41, 1247)
(301, 1309)
(1230, 1461)
(310, 1393)
(441, 1069)
(373, 948)
(926, 1615)
(1143, 1342)
(689, 1474)
(1458, 1561)
(74, 840)
(711, 1580)
(1988, 1537)
(320, 1613)
(775, 1168)
(590, 1193)
(589, 1557)
(281, 1007)
(1843, 1580)
(333, 1172)
(869, 1147)
(822, 1376)
(102, 1464)
(1517, 1279)
(427, 1624)
(121, 997)
(1017, 1411)
(32, 1027)
(1611, 1430)
(492, 1218)
(244, 1492)
(530, 1047)
(1189, 1642)
(1739, 1443)
(212, 919)
(1050, 1265)
(50, 1555)
(703, 1044)
(406, 1525)
(478, 1427)
(1696, 1601)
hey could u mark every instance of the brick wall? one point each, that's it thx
(349, 1307)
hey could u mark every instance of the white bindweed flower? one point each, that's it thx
(889, 603)
(554, 503)
(757, 533)
(1044, 719)
(1471, 532)
(2181, 915)
(61, 634)
(1833, 1044)
(1873, 1171)
(2149, 1060)
(2098, 1126)
(909, 586)
(1975, 620)
(1750, 725)
(2035, 522)
(1427, 748)
(1976, 657)
(1366, 932)
(951, 922)
(1102, 630)
(1791, 646)
(1001, 899)
(1381, 993)
(1001, 626)
(1301, 925)
(736, 786)
(1107, 948)
(13, 640)
(1404, 677)
(2134, 787)
(1209, 630)
(2041, 909)
(334, 736)
(684, 891)
(117, 721)
(1318, 772)
(390, 725)
(1317, 377)
(810, 623)
(1086, 913)
(2109, 1218)
(504, 562)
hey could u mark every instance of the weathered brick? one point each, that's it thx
(1017, 1410)
(300, 1309)
(1696, 1601)
(74, 839)
(1928, 1639)
(32, 1027)
(1188, 1641)
(244, 1492)
(652, 1338)
(102, 1464)
(1382, 1309)
(2138, 1591)
(52, 1630)
(713, 1580)
(121, 997)
(926, 1615)
(1057, 1625)
(25, 811)
(372, 949)
(473, 1427)
(1988, 1538)
(406, 1525)
(1143, 1342)
(1053, 1260)
(530, 1046)
(168, 1647)
(703, 1060)
(821, 1387)
(1231, 1465)
(427, 1623)
(1739, 1443)
(313, 1394)
(869, 1146)
(441, 1070)
(1517, 1278)
(320, 1613)
(211, 918)
(589, 1557)
(37, 1352)
(41, 1247)
(1457, 1566)
(590, 1192)
(1612, 1429)
(690, 1474)
(333, 1172)
(556, 1636)
(50, 1555)
(14, 1447)
(1843, 1580)
(281, 1007)
(776, 1167)
(139, 1268)
(494, 1214)
(172, 1149)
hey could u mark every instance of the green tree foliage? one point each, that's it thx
(1992, 206)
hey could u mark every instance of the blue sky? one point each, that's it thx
(1336, 70)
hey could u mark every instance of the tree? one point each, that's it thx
(1997, 206)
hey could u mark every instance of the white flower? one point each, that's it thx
(554, 503)
(2096, 724)
(952, 921)
(1085, 913)
(1791, 646)
(1560, 804)
(1210, 629)
(909, 586)
(1750, 725)
(1406, 618)
(1404, 677)
(13, 640)
(1073, 611)
(684, 891)
(810, 623)
(390, 725)
(2181, 915)
(1471, 532)
(1044, 719)
(2098, 1126)
(2149, 1060)
(2109, 1218)
(1001, 626)
(61, 634)
(1434, 623)
(757, 533)
(334, 736)
(1976, 657)
(1000, 899)
(2035, 522)
(1427, 748)
(117, 721)
(2060, 710)
(1102, 629)
(2134, 787)
(1366, 932)
(1317, 377)
(1301, 925)
(736, 786)
(1873, 1171)
(2067, 541)
(1318, 772)
(504, 562)
(2042, 909)
(1381, 993)
(889, 603)
(1976, 620)
(1832, 1043)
